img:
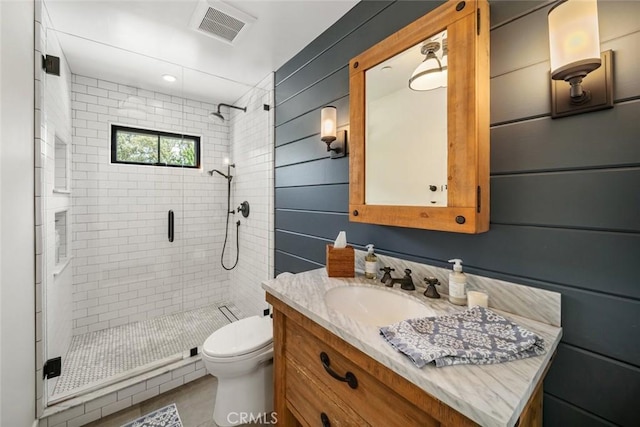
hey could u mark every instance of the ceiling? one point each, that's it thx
(136, 42)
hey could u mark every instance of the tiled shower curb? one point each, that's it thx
(92, 406)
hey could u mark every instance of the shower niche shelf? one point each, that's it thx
(59, 268)
(61, 242)
(62, 166)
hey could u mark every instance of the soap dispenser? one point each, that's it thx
(457, 284)
(370, 263)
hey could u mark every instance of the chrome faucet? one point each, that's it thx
(406, 282)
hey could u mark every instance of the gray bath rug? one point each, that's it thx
(163, 417)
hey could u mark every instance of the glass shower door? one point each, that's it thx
(206, 284)
(113, 282)
(133, 223)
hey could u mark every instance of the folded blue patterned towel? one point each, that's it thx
(474, 336)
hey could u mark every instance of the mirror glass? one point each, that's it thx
(406, 127)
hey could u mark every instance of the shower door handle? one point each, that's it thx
(170, 226)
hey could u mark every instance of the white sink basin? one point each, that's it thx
(375, 306)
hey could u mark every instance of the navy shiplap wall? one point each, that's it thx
(565, 194)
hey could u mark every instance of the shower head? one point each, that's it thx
(219, 115)
(227, 176)
(218, 172)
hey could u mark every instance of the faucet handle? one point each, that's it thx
(431, 291)
(386, 277)
(407, 271)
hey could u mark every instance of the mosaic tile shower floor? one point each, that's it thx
(98, 356)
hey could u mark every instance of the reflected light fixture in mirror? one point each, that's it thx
(574, 44)
(335, 140)
(432, 72)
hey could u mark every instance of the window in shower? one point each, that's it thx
(155, 148)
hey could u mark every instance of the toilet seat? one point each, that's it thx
(249, 335)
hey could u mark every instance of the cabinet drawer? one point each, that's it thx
(370, 399)
(310, 405)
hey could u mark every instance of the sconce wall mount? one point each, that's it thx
(338, 147)
(574, 45)
(335, 139)
(597, 91)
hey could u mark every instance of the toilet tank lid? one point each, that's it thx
(241, 337)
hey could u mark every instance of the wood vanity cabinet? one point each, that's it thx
(306, 393)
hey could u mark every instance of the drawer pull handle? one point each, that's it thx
(348, 378)
(325, 420)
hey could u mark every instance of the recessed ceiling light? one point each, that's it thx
(169, 78)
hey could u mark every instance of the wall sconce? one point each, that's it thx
(574, 44)
(432, 72)
(336, 140)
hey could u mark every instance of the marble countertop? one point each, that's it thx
(491, 395)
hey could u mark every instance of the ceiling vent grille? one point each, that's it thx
(220, 21)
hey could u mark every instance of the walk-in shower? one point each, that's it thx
(120, 298)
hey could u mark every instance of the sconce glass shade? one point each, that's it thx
(328, 127)
(574, 40)
(432, 72)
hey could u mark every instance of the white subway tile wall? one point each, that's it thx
(124, 267)
(252, 152)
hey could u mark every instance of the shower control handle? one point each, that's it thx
(170, 222)
(244, 208)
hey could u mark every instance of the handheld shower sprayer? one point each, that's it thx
(230, 211)
(226, 176)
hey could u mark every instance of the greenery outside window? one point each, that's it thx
(155, 148)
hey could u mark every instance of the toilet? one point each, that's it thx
(240, 355)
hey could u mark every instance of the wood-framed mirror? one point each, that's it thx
(419, 152)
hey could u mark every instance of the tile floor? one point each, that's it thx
(97, 356)
(194, 401)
